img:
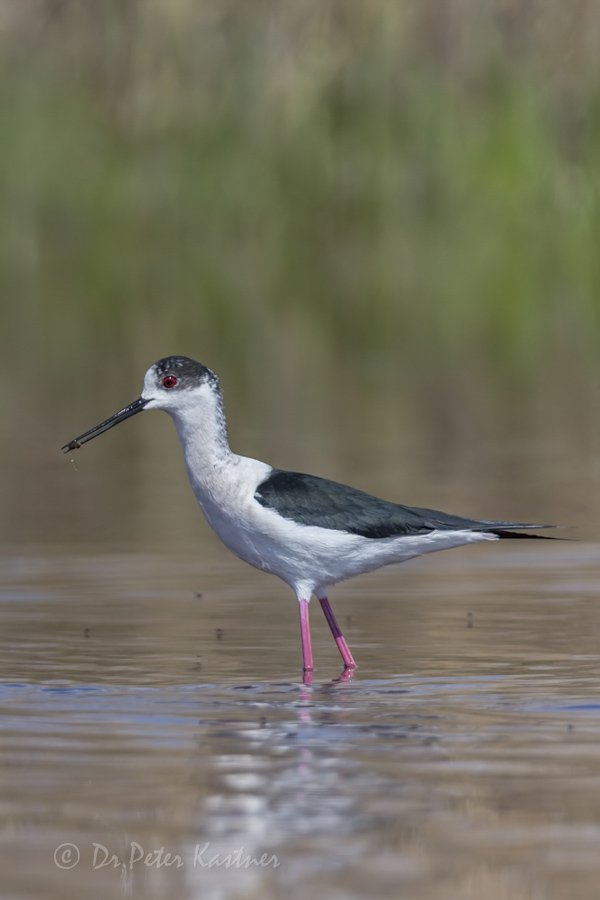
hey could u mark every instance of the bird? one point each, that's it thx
(309, 531)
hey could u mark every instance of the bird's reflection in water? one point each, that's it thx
(283, 779)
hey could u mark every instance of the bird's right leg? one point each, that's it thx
(337, 633)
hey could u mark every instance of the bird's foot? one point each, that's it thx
(347, 674)
(307, 676)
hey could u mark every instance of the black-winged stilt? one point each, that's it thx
(308, 531)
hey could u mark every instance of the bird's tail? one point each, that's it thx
(504, 533)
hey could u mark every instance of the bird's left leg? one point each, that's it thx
(305, 635)
(337, 633)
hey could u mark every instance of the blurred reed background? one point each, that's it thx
(378, 221)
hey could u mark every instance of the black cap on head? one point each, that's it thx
(188, 372)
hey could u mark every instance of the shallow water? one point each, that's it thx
(155, 701)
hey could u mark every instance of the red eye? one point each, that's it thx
(170, 381)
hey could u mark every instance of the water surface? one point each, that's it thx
(153, 704)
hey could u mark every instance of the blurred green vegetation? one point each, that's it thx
(406, 191)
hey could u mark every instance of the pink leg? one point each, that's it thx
(305, 634)
(337, 634)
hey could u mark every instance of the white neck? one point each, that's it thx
(202, 430)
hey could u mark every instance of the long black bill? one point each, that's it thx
(131, 410)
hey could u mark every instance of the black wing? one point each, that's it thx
(310, 500)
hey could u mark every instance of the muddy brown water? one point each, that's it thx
(151, 704)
